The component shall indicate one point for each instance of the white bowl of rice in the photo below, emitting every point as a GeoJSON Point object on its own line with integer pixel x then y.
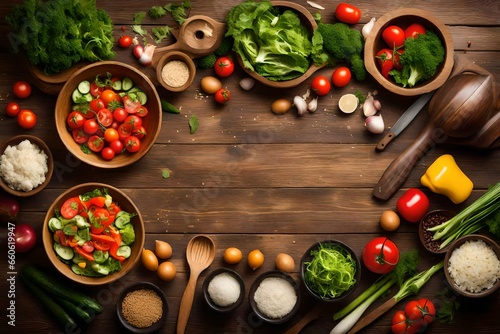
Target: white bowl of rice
{"type": "Point", "coordinates": [472, 266]}
{"type": "Point", "coordinates": [26, 165]}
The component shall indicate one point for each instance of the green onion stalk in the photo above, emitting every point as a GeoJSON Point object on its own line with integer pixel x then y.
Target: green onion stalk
{"type": "Point", "coordinates": [469, 220]}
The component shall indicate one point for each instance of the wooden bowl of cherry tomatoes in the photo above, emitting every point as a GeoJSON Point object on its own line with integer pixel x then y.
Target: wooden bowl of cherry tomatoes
{"type": "Point", "coordinates": [108, 114]}
{"type": "Point", "coordinates": [405, 23]}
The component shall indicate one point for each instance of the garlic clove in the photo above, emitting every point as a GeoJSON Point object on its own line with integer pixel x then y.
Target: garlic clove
{"type": "Point", "coordinates": [300, 104]}
{"type": "Point", "coordinates": [313, 105]}
{"type": "Point", "coordinates": [375, 124]}
{"type": "Point", "coordinates": [367, 28]}
{"type": "Point", "coordinates": [371, 106]}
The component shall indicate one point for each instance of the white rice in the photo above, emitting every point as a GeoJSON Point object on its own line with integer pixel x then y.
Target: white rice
{"type": "Point", "coordinates": [275, 297]}
{"type": "Point", "coordinates": [224, 289]}
{"type": "Point", "coordinates": [23, 166]}
{"type": "Point", "coordinates": [474, 266]}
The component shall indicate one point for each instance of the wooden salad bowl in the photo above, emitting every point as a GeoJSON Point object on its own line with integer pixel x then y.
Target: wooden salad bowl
{"type": "Point", "coordinates": [403, 18]}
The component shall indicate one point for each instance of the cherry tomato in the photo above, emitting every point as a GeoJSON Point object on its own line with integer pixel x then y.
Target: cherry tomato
{"type": "Point", "coordinates": [413, 205]}
{"type": "Point", "coordinates": [143, 111]}
{"type": "Point", "coordinates": [384, 60]}
{"type": "Point", "coordinates": [108, 96]}
{"type": "Point", "coordinates": [88, 246]}
{"type": "Point", "coordinates": [222, 95]}
{"type": "Point", "coordinates": [396, 60]}
{"type": "Point", "coordinates": [140, 132]}
{"type": "Point", "coordinates": [111, 135]}
{"type": "Point", "coordinates": [380, 255]}
{"type": "Point", "coordinates": [131, 106]}
{"type": "Point", "coordinates": [119, 114]}
{"type": "Point", "coordinates": [75, 119]}
{"type": "Point", "coordinates": [116, 146]}
{"type": "Point", "coordinates": [79, 136]}
{"type": "Point", "coordinates": [95, 143]}
{"type": "Point", "coordinates": [108, 153]}
{"type": "Point", "coordinates": [101, 245]}
{"type": "Point", "coordinates": [125, 41]}
{"type": "Point", "coordinates": [132, 144]}
{"type": "Point", "coordinates": [21, 89]}
{"type": "Point", "coordinates": [105, 117]}
{"type": "Point", "coordinates": [347, 13]}
{"type": "Point", "coordinates": [394, 36]}
{"type": "Point", "coordinates": [415, 318]}
{"type": "Point", "coordinates": [71, 207]}
{"type": "Point", "coordinates": [96, 105]}
{"type": "Point", "coordinates": [26, 119]}
{"type": "Point", "coordinates": [414, 29]}
{"type": "Point", "coordinates": [61, 238]}
{"type": "Point", "coordinates": [321, 85]}
{"type": "Point", "coordinates": [401, 325]}
{"type": "Point", "coordinates": [12, 109]}
{"type": "Point", "coordinates": [224, 67]}
{"type": "Point", "coordinates": [90, 126]}
{"type": "Point", "coordinates": [341, 76]}
{"type": "Point", "coordinates": [124, 130]}
{"type": "Point", "coordinates": [95, 90]}
{"type": "Point", "coordinates": [134, 120]}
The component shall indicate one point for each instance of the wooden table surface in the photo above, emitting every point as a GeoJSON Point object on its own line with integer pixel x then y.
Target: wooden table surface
{"type": "Point", "coordinates": [252, 179]}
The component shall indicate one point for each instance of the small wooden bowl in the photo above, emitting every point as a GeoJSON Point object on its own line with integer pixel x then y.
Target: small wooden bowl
{"type": "Point", "coordinates": [214, 306]}
{"type": "Point", "coordinates": [50, 164]}
{"type": "Point", "coordinates": [151, 122]}
{"type": "Point", "coordinates": [308, 20]}
{"type": "Point", "coordinates": [171, 56]}
{"type": "Point", "coordinates": [430, 218]}
{"type": "Point", "coordinates": [403, 18]}
{"type": "Point", "coordinates": [125, 204]}
{"type": "Point", "coordinates": [255, 285]}
{"type": "Point", "coordinates": [456, 244]}
{"type": "Point", "coordinates": [138, 286]}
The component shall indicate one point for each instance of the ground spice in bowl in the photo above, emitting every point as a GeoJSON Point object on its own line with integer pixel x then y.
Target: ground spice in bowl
{"type": "Point", "coordinates": [142, 308]}
{"type": "Point", "coordinates": [175, 73]}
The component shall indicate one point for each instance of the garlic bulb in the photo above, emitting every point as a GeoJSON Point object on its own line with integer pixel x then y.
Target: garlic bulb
{"type": "Point", "coordinates": [375, 124]}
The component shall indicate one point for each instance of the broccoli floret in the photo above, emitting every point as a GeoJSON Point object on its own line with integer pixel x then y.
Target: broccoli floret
{"type": "Point", "coordinates": [421, 58]}
{"type": "Point", "coordinates": [342, 43]}
{"type": "Point", "coordinates": [128, 234]}
{"type": "Point", "coordinates": [225, 46]}
{"type": "Point", "coordinates": [207, 61]}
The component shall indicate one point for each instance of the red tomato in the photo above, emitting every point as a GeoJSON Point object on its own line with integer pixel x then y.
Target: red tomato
{"type": "Point", "coordinates": [108, 96]}
{"type": "Point", "coordinates": [75, 119]}
{"type": "Point", "coordinates": [394, 36]}
{"type": "Point", "coordinates": [21, 89]}
{"type": "Point", "coordinates": [140, 132]}
{"type": "Point", "coordinates": [396, 61]}
{"type": "Point", "coordinates": [422, 309]}
{"type": "Point", "coordinates": [380, 255]}
{"type": "Point", "coordinates": [101, 245]}
{"type": "Point", "coordinates": [12, 109]}
{"type": "Point", "coordinates": [413, 205]}
{"type": "Point", "coordinates": [116, 146]}
{"type": "Point", "coordinates": [90, 126]}
{"type": "Point", "coordinates": [95, 143]}
{"type": "Point", "coordinates": [88, 246]}
{"type": "Point", "coordinates": [132, 144]}
{"type": "Point", "coordinates": [125, 41]}
{"type": "Point", "coordinates": [143, 111]}
{"type": "Point", "coordinates": [347, 13]}
{"type": "Point", "coordinates": [107, 153]}
{"type": "Point", "coordinates": [111, 135]}
{"type": "Point", "coordinates": [95, 90]}
{"type": "Point", "coordinates": [321, 85]}
{"type": "Point", "coordinates": [71, 207]}
{"type": "Point", "coordinates": [414, 29]}
{"type": "Point", "coordinates": [222, 95]}
{"type": "Point", "coordinates": [341, 76]}
{"type": "Point", "coordinates": [26, 119]}
{"type": "Point", "coordinates": [119, 114]}
{"type": "Point", "coordinates": [131, 106]}
{"type": "Point", "coordinates": [224, 67]}
{"type": "Point", "coordinates": [96, 105]}
{"type": "Point", "coordinates": [384, 60]}
{"type": "Point", "coordinates": [124, 130]}
{"type": "Point", "coordinates": [105, 117]}
{"type": "Point", "coordinates": [134, 120]}
{"type": "Point", "coordinates": [61, 238]}
{"type": "Point", "coordinates": [79, 136]}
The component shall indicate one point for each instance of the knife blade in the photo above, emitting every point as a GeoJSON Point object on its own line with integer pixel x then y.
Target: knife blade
{"type": "Point", "coordinates": [404, 120]}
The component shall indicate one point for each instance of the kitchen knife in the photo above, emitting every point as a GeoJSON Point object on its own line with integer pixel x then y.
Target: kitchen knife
{"type": "Point", "coordinates": [404, 120]}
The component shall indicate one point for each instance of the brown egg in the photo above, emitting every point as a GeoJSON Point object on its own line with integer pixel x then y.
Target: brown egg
{"type": "Point", "coordinates": [281, 106]}
{"type": "Point", "coordinates": [389, 220]}
{"type": "Point", "coordinates": [210, 84]}
{"type": "Point", "coordinates": [285, 262]}
{"type": "Point", "coordinates": [167, 271]}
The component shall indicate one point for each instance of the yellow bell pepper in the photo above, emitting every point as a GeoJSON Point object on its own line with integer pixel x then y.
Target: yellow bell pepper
{"type": "Point", "coordinates": [446, 178]}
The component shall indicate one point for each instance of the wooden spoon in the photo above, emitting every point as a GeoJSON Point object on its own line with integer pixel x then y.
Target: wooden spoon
{"type": "Point", "coordinates": [313, 314]}
{"type": "Point", "coordinates": [200, 253]}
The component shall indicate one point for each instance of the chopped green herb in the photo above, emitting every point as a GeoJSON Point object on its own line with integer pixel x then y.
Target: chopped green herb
{"type": "Point", "coordinates": [193, 124]}
{"type": "Point", "coordinates": [165, 173]}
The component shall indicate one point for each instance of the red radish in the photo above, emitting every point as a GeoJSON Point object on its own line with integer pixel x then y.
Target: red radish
{"type": "Point", "coordinates": [25, 237]}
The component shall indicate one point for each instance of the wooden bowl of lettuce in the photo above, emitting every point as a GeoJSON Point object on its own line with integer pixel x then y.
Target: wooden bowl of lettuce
{"type": "Point", "coordinates": [275, 65]}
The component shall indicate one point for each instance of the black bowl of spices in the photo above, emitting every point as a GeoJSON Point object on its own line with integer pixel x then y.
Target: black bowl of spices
{"type": "Point", "coordinates": [142, 308]}
{"type": "Point", "coordinates": [431, 219]}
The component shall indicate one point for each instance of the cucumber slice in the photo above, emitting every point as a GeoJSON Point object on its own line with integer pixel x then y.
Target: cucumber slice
{"type": "Point", "coordinates": [142, 97]}
{"type": "Point", "coordinates": [100, 256]}
{"type": "Point", "coordinates": [64, 252]}
{"type": "Point", "coordinates": [124, 251]}
{"type": "Point", "coordinates": [54, 224]}
{"type": "Point", "coordinates": [122, 219]}
{"type": "Point", "coordinates": [77, 97]}
{"type": "Point", "coordinates": [127, 84]}
{"type": "Point", "coordinates": [117, 85]}
{"type": "Point", "coordinates": [84, 87]}
{"type": "Point", "coordinates": [134, 90]}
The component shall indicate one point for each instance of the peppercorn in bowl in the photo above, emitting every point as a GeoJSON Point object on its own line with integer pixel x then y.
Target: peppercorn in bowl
{"type": "Point", "coordinates": [393, 27]}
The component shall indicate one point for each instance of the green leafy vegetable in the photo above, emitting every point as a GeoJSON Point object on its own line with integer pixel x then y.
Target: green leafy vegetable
{"type": "Point", "coordinates": [421, 58]}
{"type": "Point", "coordinates": [161, 33]}
{"type": "Point", "coordinates": [193, 124]}
{"type": "Point", "coordinates": [447, 307]}
{"type": "Point", "coordinates": [156, 12]}
{"type": "Point", "coordinates": [207, 61]}
{"type": "Point", "coordinates": [139, 17]}
{"type": "Point", "coordinates": [331, 271]}
{"type": "Point", "coordinates": [139, 30]}
{"type": "Point", "coordinates": [339, 42]}
{"type": "Point", "coordinates": [178, 11]}
{"type": "Point", "coordinates": [275, 45]}
{"type": "Point", "coordinates": [56, 34]}
{"type": "Point", "coordinates": [483, 212]}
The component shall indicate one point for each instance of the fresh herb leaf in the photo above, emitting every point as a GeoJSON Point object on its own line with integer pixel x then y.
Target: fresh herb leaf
{"type": "Point", "coordinates": [178, 12]}
{"type": "Point", "coordinates": [161, 33]}
{"type": "Point", "coordinates": [139, 17]}
{"type": "Point", "coordinates": [361, 97]}
{"type": "Point", "coordinates": [449, 305]}
{"type": "Point", "coordinates": [494, 224]}
{"type": "Point", "coordinates": [193, 124]}
{"type": "Point", "coordinates": [138, 29]}
{"type": "Point", "coordinates": [156, 12]}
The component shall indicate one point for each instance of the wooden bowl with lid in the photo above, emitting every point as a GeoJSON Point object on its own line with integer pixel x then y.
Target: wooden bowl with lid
{"type": "Point", "coordinates": [403, 18]}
